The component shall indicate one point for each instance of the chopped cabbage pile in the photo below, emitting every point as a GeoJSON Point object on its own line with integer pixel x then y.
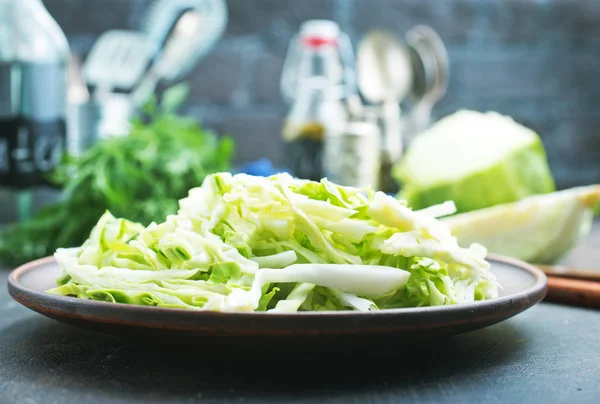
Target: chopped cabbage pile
{"type": "Point", "coordinates": [279, 244]}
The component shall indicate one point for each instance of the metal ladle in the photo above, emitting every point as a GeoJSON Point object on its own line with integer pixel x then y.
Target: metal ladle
{"type": "Point", "coordinates": [385, 77]}
{"type": "Point", "coordinates": [430, 67]}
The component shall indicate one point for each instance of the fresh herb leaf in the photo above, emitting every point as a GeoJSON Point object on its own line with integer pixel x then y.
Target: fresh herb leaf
{"type": "Point", "coordinates": [140, 177]}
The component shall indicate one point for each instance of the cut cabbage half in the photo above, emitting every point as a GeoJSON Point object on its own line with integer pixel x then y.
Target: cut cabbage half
{"type": "Point", "coordinates": [537, 229]}
{"type": "Point", "coordinates": [476, 160]}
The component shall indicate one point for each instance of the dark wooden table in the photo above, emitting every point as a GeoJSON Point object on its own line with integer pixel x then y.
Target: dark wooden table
{"type": "Point", "coordinates": [550, 353]}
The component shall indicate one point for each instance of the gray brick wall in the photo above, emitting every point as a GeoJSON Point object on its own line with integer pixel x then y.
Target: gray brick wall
{"type": "Point", "coordinates": [536, 60]}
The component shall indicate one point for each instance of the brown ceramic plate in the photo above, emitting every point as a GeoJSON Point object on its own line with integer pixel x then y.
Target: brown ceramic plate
{"type": "Point", "coordinates": [523, 286]}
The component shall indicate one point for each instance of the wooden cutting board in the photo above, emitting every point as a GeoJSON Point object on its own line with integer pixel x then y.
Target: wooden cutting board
{"type": "Point", "coordinates": [573, 286]}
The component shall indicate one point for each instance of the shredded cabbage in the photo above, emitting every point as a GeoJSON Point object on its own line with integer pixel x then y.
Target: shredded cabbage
{"type": "Point", "coordinates": [279, 244]}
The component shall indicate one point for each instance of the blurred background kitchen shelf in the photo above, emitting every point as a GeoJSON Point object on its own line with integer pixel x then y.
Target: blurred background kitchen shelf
{"type": "Point", "coordinates": [536, 61]}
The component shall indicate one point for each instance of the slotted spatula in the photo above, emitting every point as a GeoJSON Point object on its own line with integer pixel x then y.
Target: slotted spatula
{"type": "Point", "coordinates": [117, 61]}
{"type": "Point", "coordinates": [176, 54]}
{"type": "Point", "coordinates": [181, 33]}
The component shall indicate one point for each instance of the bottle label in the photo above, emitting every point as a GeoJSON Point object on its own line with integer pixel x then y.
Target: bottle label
{"type": "Point", "coordinates": [32, 122]}
{"type": "Point", "coordinates": [29, 150]}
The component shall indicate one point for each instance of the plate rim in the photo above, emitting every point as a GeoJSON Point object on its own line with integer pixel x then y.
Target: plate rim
{"type": "Point", "coordinates": [17, 291]}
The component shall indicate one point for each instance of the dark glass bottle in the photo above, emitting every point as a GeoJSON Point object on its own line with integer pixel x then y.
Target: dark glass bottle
{"type": "Point", "coordinates": [34, 55]}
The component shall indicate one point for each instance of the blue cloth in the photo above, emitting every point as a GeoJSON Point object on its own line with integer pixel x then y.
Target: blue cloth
{"type": "Point", "coordinates": [260, 168]}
